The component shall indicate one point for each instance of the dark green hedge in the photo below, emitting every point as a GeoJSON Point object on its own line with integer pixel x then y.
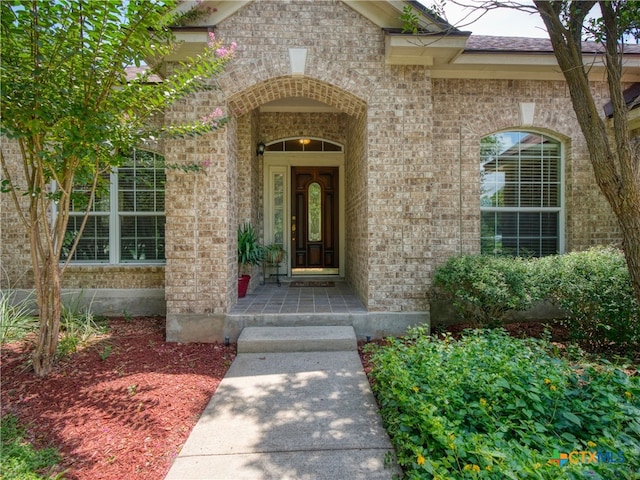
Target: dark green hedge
{"type": "Point", "coordinates": [592, 287]}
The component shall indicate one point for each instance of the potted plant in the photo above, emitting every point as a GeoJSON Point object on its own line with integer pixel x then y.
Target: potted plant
{"type": "Point", "coordinates": [250, 253]}
{"type": "Point", "coordinates": [274, 254]}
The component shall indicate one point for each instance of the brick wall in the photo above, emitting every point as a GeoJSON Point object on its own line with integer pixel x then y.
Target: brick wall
{"type": "Point", "coordinates": [15, 259]}
{"type": "Point", "coordinates": [114, 276]}
{"type": "Point", "coordinates": [201, 213]}
{"type": "Point", "coordinates": [467, 110]}
{"type": "Point", "coordinates": [357, 210]}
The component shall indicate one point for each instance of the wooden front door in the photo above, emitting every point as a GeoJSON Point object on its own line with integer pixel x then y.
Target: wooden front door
{"type": "Point", "coordinates": [314, 219]}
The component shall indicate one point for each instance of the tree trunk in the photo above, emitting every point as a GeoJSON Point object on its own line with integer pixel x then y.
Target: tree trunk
{"type": "Point", "coordinates": [629, 222]}
{"type": "Point", "coordinates": [49, 289]}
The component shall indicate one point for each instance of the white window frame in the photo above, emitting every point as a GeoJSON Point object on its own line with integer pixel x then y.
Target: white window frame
{"type": "Point", "coordinates": [115, 215]}
{"type": "Point", "coordinates": [560, 210]}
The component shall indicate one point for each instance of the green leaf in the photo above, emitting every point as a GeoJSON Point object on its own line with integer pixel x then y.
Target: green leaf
{"type": "Point", "coordinates": [572, 418]}
{"type": "Point", "coordinates": [501, 382]}
{"type": "Point", "coordinates": [569, 437]}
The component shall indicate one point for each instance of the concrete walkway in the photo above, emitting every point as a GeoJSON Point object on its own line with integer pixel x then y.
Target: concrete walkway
{"type": "Point", "coordinates": [277, 414]}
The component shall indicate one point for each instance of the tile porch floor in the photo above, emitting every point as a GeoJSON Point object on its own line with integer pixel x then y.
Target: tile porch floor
{"type": "Point", "coordinates": [273, 299]}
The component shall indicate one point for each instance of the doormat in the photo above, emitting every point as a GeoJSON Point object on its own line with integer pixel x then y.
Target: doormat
{"type": "Point", "coordinates": [300, 283]}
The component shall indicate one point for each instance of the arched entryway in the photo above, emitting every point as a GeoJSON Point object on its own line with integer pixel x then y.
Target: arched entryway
{"type": "Point", "coordinates": [280, 113]}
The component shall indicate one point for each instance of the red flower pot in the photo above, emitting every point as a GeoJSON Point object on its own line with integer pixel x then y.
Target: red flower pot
{"type": "Point", "coordinates": [243, 285]}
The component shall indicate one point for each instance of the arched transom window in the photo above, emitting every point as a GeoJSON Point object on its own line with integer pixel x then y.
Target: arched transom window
{"type": "Point", "coordinates": [304, 144]}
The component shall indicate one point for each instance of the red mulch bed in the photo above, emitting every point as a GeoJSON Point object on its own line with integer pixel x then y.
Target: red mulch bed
{"type": "Point", "coordinates": [125, 415]}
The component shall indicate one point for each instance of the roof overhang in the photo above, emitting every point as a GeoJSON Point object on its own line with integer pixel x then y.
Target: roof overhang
{"type": "Point", "coordinates": [192, 39]}
{"type": "Point", "coordinates": [387, 14]}
{"type": "Point", "coordinates": [383, 14]}
{"type": "Point", "coordinates": [523, 65]}
{"type": "Point", "coordinates": [448, 57]}
{"type": "Point", "coordinates": [438, 49]}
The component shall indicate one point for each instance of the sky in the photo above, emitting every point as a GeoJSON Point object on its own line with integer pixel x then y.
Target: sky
{"type": "Point", "coordinates": [501, 22]}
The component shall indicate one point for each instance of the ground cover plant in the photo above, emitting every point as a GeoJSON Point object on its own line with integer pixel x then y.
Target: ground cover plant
{"type": "Point", "coordinates": [16, 319]}
{"type": "Point", "coordinates": [20, 461]}
{"type": "Point", "coordinates": [488, 405]}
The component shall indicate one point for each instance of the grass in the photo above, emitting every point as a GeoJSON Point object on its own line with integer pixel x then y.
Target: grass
{"type": "Point", "coordinates": [491, 406]}
{"type": "Point", "coordinates": [20, 460]}
{"type": "Point", "coordinates": [78, 325]}
{"type": "Point", "coordinates": [16, 319]}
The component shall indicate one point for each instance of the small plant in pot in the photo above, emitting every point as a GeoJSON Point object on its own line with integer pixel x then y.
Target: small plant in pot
{"type": "Point", "coordinates": [250, 253]}
{"type": "Point", "coordinates": [274, 254]}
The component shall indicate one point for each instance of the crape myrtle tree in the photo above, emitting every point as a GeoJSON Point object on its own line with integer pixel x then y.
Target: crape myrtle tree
{"type": "Point", "coordinates": [68, 106]}
{"type": "Point", "coordinates": [615, 157]}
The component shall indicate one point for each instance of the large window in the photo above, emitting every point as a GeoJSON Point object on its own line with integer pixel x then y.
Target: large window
{"type": "Point", "coordinates": [521, 194]}
{"type": "Point", "coordinates": [127, 220]}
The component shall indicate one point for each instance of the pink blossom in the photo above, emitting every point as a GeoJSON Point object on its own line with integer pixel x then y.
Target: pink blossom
{"type": "Point", "coordinates": [212, 39]}
{"type": "Point", "coordinates": [224, 51]}
{"type": "Point", "coordinates": [213, 117]}
{"type": "Point", "coordinates": [206, 163]}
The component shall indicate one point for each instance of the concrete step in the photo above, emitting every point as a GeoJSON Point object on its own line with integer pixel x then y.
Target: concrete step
{"type": "Point", "coordinates": [297, 339]}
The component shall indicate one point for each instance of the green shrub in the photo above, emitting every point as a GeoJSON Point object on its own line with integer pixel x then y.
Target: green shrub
{"type": "Point", "coordinates": [492, 406]}
{"type": "Point", "coordinates": [20, 461]}
{"type": "Point", "coordinates": [594, 289]}
{"type": "Point", "coordinates": [483, 289]}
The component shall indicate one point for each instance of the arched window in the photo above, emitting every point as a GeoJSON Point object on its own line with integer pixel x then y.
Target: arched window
{"type": "Point", "coordinates": [304, 144]}
{"type": "Point", "coordinates": [127, 220]}
{"type": "Point", "coordinates": [521, 206]}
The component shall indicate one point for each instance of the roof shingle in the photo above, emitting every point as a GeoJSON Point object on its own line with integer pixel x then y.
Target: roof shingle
{"type": "Point", "coordinates": [488, 44]}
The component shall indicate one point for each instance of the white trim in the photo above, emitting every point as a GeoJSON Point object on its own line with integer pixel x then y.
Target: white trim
{"type": "Point", "coordinates": [298, 60]}
{"type": "Point", "coordinates": [526, 113]}
{"type": "Point", "coordinates": [114, 215]}
{"type": "Point", "coordinates": [563, 205]}
{"type": "Point", "coordinates": [114, 219]}
{"type": "Point", "coordinates": [562, 208]}
{"type": "Point", "coordinates": [269, 204]}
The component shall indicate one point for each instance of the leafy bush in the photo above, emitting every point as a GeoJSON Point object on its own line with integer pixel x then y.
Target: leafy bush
{"type": "Point", "coordinates": [594, 289]}
{"type": "Point", "coordinates": [491, 406]}
{"type": "Point", "coordinates": [483, 289]}
{"type": "Point", "coordinates": [20, 460]}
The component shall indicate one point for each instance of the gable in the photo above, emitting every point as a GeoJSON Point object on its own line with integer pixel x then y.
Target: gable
{"type": "Point", "coordinates": [383, 13]}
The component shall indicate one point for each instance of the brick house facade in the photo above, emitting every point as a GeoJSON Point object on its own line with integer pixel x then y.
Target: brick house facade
{"type": "Point", "coordinates": [404, 117]}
